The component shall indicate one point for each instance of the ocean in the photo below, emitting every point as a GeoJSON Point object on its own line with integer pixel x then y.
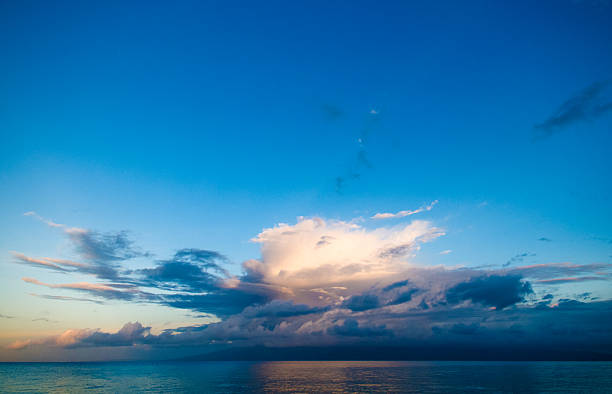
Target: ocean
{"type": "Point", "coordinates": [308, 377]}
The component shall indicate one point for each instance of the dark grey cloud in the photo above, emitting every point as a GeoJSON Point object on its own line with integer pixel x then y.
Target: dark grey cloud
{"type": "Point", "coordinates": [499, 291]}
{"type": "Point", "coordinates": [463, 329]}
{"type": "Point", "coordinates": [129, 334]}
{"type": "Point", "coordinates": [396, 251]}
{"type": "Point", "coordinates": [602, 239]}
{"type": "Point", "coordinates": [193, 270]}
{"type": "Point", "coordinates": [457, 329]}
{"type": "Point", "coordinates": [332, 112]}
{"type": "Point", "coordinates": [65, 298]}
{"type": "Point", "coordinates": [362, 302]}
{"type": "Point", "coordinates": [403, 297]}
{"type": "Point", "coordinates": [282, 309]}
{"type": "Point", "coordinates": [576, 279]}
{"type": "Point", "coordinates": [519, 258]}
{"type": "Point", "coordinates": [396, 285]}
{"type": "Point", "coordinates": [199, 276]}
{"type": "Point", "coordinates": [569, 325]}
{"type": "Point", "coordinates": [194, 277]}
{"type": "Point", "coordinates": [561, 270]}
{"type": "Point", "coordinates": [96, 246]}
{"type": "Point", "coordinates": [351, 328]}
{"type": "Point", "coordinates": [361, 162]}
{"type": "Point", "coordinates": [221, 302]}
{"type": "Point", "coordinates": [324, 240]}
{"type": "Point", "coordinates": [45, 319]}
{"type": "Point", "coordinates": [586, 105]}
{"type": "Point", "coordinates": [104, 251]}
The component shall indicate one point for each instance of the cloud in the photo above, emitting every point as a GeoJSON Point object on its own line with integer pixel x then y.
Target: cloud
{"type": "Point", "coordinates": [45, 320]}
{"type": "Point", "coordinates": [101, 290]}
{"type": "Point", "coordinates": [6, 316]}
{"type": "Point", "coordinates": [572, 279]}
{"type": "Point", "coordinates": [48, 222]}
{"type": "Point", "coordinates": [103, 246]}
{"type": "Point", "coordinates": [65, 298]}
{"type": "Point", "coordinates": [220, 302]}
{"type": "Point", "coordinates": [129, 334]}
{"type": "Point", "coordinates": [557, 270]}
{"type": "Point", "coordinates": [282, 309]}
{"type": "Point", "coordinates": [362, 302]}
{"type": "Point", "coordinates": [327, 283]}
{"type": "Point", "coordinates": [602, 239]}
{"type": "Point", "coordinates": [59, 265]}
{"type": "Point", "coordinates": [189, 270]}
{"type": "Point", "coordinates": [351, 328]}
{"type": "Point", "coordinates": [588, 104]}
{"type": "Point", "coordinates": [544, 239]}
{"type": "Point", "coordinates": [103, 252]}
{"type": "Point", "coordinates": [519, 258]}
{"type": "Point", "coordinates": [21, 258]}
{"type": "Point", "coordinates": [293, 261]}
{"type": "Point", "coordinates": [332, 112]}
{"type": "Point", "coordinates": [361, 161]}
{"type": "Point", "coordinates": [463, 329]}
{"type": "Point", "coordinates": [490, 290]}
{"type": "Point", "coordinates": [396, 285]}
{"type": "Point", "coordinates": [402, 214]}
{"type": "Point", "coordinates": [403, 297]}
{"type": "Point", "coordinates": [570, 324]}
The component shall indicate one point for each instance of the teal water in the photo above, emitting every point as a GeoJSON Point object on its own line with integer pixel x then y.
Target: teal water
{"type": "Point", "coordinates": [311, 376]}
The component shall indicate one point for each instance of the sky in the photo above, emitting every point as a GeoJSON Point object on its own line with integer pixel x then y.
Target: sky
{"type": "Point", "coordinates": [178, 179]}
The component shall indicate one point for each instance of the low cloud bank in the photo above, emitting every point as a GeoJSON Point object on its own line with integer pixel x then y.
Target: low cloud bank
{"type": "Point", "coordinates": [329, 283]}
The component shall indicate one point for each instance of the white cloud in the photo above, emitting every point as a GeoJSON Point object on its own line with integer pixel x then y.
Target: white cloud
{"type": "Point", "coordinates": [48, 222]}
{"type": "Point", "coordinates": [402, 214]}
{"type": "Point", "coordinates": [341, 258]}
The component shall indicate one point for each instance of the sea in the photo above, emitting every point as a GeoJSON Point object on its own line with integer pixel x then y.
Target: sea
{"type": "Point", "coordinates": [308, 377]}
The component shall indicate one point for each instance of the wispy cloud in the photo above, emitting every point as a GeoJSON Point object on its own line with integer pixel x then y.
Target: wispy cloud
{"type": "Point", "coordinates": [519, 258]}
{"type": "Point", "coordinates": [560, 270]}
{"type": "Point", "coordinates": [65, 298]}
{"type": "Point", "coordinates": [49, 263]}
{"type": "Point", "coordinates": [45, 319]}
{"type": "Point", "coordinates": [48, 222]}
{"type": "Point", "coordinates": [573, 279]}
{"type": "Point", "coordinates": [402, 214]}
{"type": "Point", "coordinates": [21, 258]}
{"type": "Point", "coordinates": [102, 290]}
{"type": "Point", "coordinates": [103, 252]}
{"type": "Point", "coordinates": [588, 104]}
{"type": "Point", "coordinates": [361, 161]}
{"type": "Point", "coordinates": [332, 112]}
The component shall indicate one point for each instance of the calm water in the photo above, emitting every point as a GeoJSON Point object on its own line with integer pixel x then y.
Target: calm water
{"type": "Point", "coordinates": [332, 376]}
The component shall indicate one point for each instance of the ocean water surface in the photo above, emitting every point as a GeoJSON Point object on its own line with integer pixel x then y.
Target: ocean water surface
{"type": "Point", "coordinates": [309, 376]}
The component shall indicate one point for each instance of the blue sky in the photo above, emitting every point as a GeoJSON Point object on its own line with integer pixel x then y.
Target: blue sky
{"type": "Point", "coordinates": [201, 124]}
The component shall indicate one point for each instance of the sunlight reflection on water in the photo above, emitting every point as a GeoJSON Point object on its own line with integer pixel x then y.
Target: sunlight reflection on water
{"type": "Point", "coordinates": [311, 376]}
